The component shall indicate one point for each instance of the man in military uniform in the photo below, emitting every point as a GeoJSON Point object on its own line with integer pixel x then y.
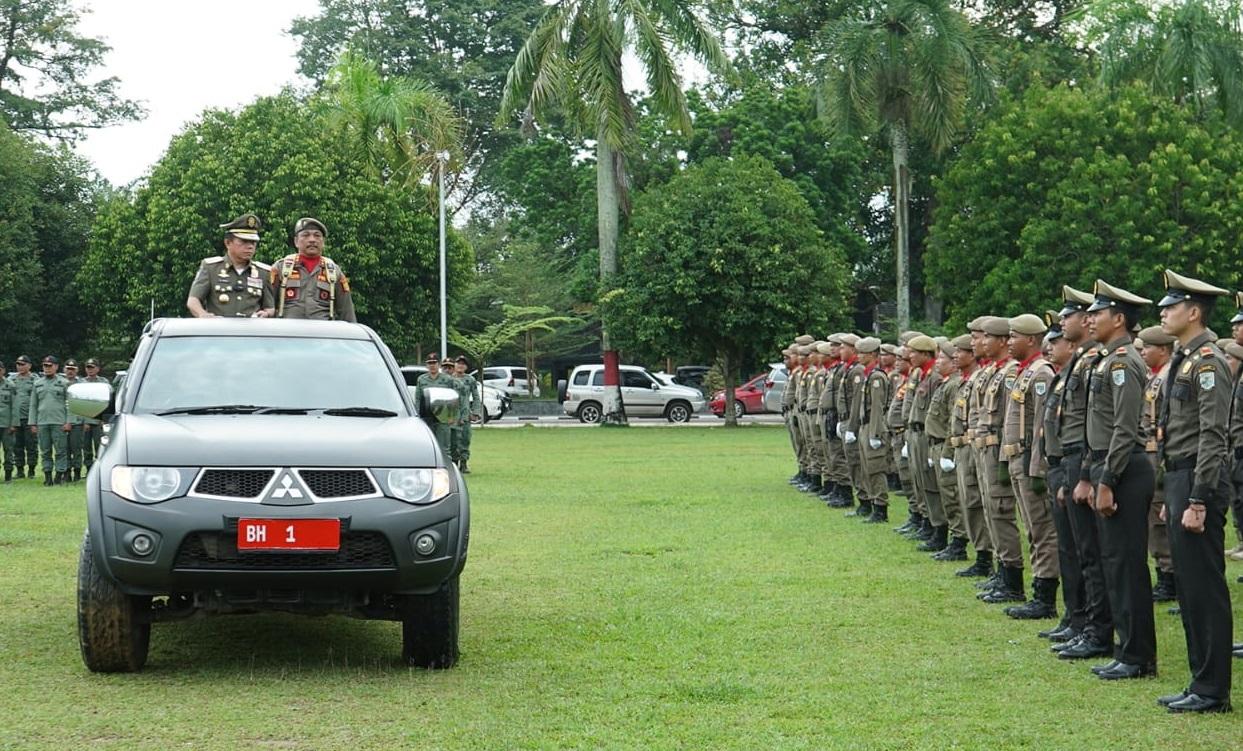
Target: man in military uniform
{"type": "Point", "coordinates": [937, 425]}
{"type": "Point", "coordinates": [790, 358]}
{"type": "Point", "coordinates": [800, 410]}
{"type": "Point", "coordinates": [897, 430]}
{"type": "Point", "coordinates": [25, 444]}
{"type": "Point", "coordinates": [1193, 426]}
{"type": "Point", "coordinates": [813, 383]}
{"type": "Point", "coordinates": [852, 379]}
{"type": "Point", "coordinates": [934, 535]}
{"type": "Point", "coordinates": [74, 440]}
{"type": "Point", "coordinates": [1156, 352]}
{"type": "Point", "coordinates": [233, 285]}
{"type": "Point", "coordinates": [842, 494]}
{"type": "Point", "coordinates": [48, 418]}
{"type": "Point", "coordinates": [868, 421]}
{"type": "Point", "coordinates": [9, 422]}
{"type": "Point", "coordinates": [793, 393]}
{"type": "Point", "coordinates": [438, 378]}
{"type": "Point", "coordinates": [1236, 437]}
{"type": "Point", "coordinates": [830, 479]}
{"type": "Point", "coordinates": [889, 364]}
{"type": "Point", "coordinates": [308, 284]}
{"type": "Point", "coordinates": [999, 502]}
{"type": "Point", "coordinates": [468, 413]}
{"type": "Point", "coordinates": [1026, 466]}
{"type": "Point", "coordinates": [92, 427]}
{"type": "Point", "coordinates": [971, 362]}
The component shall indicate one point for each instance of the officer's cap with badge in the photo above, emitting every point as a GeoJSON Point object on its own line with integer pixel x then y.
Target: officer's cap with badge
{"type": "Point", "coordinates": [1108, 297]}
{"type": "Point", "coordinates": [23, 359]}
{"type": "Point", "coordinates": [1179, 288]}
{"type": "Point", "coordinates": [432, 357]}
{"type": "Point", "coordinates": [1238, 303]}
{"type": "Point", "coordinates": [50, 360]}
{"type": "Point", "coordinates": [1053, 320]}
{"type": "Point", "coordinates": [309, 222]}
{"type": "Point", "coordinates": [245, 227]}
{"type": "Point", "coordinates": [92, 363]}
{"type": "Point", "coordinates": [1074, 301]}
{"type": "Point", "coordinates": [71, 363]}
{"type": "Point", "coordinates": [1028, 325]}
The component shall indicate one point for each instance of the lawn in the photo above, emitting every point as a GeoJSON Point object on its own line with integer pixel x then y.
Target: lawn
{"type": "Point", "coordinates": [659, 588]}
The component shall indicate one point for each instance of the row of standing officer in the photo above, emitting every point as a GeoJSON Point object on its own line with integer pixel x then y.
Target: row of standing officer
{"type": "Point", "coordinates": [36, 426]}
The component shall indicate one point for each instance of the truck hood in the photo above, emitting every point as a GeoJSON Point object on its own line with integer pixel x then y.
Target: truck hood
{"type": "Point", "coordinates": [275, 440]}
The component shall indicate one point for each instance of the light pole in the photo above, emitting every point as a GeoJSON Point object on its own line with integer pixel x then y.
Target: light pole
{"type": "Point", "coordinates": [443, 158]}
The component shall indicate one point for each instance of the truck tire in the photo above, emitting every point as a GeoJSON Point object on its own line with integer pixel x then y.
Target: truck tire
{"type": "Point", "coordinates": [111, 635]}
{"type": "Point", "coordinates": [429, 628]}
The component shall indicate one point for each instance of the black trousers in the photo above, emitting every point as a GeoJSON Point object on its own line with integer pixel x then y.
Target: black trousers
{"type": "Point", "coordinates": [25, 447]}
{"type": "Point", "coordinates": [1124, 559]}
{"type": "Point", "coordinates": [1067, 557]}
{"type": "Point", "coordinates": [1236, 497]}
{"type": "Point", "coordinates": [1097, 616]}
{"type": "Point", "coordinates": [1200, 573]}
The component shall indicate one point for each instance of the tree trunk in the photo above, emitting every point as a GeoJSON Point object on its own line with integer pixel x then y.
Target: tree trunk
{"type": "Point", "coordinates": [901, 221]}
{"type": "Point", "coordinates": [607, 211]}
{"type": "Point", "coordinates": [530, 362]}
{"type": "Point", "coordinates": [727, 369]}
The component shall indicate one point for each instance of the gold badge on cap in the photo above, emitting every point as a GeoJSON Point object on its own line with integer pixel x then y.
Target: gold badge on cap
{"type": "Point", "coordinates": [250, 221]}
{"type": "Point", "coordinates": [223, 298]}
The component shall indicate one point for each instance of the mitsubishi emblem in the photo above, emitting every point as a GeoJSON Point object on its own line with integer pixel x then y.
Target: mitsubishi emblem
{"type": "Point", "coordinates": [287, 488]}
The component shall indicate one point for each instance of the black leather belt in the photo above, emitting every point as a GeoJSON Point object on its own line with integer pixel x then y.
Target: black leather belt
{"type": "Point", "coordinates": [1177, 465]}
{"type": "Point", "coordinates": [917, 427]}
{"type": "Point", "coordinates": [1071, 449]}
{"type": "Point", "coordinates": [1101, 454]}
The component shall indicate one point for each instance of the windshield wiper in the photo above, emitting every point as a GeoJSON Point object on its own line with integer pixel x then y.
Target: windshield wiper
{"type": "Point", "coordinates": [359, 412]}
{"type": "Point", "coordinates": [215, 409]}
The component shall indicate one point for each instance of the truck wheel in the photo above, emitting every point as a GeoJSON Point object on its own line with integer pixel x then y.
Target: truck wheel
{"type": "Point", "coordinates": [112, 637]}
{"type": "Point", "coordinates": [678, 412]}
{"type": "Point", "coordinates": [429, 628]}
{"type": "Point", "coordinates": [590, 413]}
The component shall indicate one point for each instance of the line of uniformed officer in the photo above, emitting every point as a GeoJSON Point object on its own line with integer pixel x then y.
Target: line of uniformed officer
{"type": "Point", "coordinates": [1110, 450]}
{"type": "Point", "coordinates": [36, 426]}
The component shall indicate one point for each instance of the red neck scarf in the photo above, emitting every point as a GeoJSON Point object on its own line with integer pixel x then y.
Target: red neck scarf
{"type": "Point", "coordinates": [310, 263]}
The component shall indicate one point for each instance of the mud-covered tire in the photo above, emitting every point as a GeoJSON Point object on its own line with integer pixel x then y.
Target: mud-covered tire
{"type": "Point", "coordinates": [111, 635]}
{"type": "Point", "coordinates": [429, 628]}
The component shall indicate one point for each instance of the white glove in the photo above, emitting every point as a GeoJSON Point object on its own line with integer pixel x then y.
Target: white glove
{"type": "Point", "coordinates": [947, 465]}
{"type": "Point", "coordinates": [906, 454]}
{"type": "Point", "coordinates": [931, 464]}
{"type": "Point", "coordinates": [874, 443]}
{"type": "Point", "coordinates": [850, 437]}
{"type": "Point", "coordinates": [841, 430]}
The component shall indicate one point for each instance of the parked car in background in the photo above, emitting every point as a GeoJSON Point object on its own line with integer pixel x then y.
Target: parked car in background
{"type": "Point", "coordinates": [748, 398]}
{"type": "Point", "coordinates": [511, 379]}
{"type": "Point", "coordinates": [496, 403]}
{"type": "Point", "coordinates": [643, 395]}
{"type": "Point", "coordinates": [775, 386]}
{"type": "Point", "coordinates": [665, 378]}
{"type": "Point", "coordinates": [690, 375]}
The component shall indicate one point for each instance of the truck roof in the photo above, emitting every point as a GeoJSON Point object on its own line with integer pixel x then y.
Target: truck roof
{"type": "Point", "coordinates": [277, 327]}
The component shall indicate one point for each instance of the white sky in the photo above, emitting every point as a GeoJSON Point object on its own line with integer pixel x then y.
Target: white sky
{"type": "Point", "coordinates": [181, 57]}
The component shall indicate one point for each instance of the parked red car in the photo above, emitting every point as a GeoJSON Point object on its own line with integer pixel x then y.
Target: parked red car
{"type": "Point", "coordinates": [748, 398]}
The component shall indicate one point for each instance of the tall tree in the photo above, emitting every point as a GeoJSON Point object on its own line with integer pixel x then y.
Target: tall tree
{"type": "Point", "coordinates": [572, 63]}
{"type": "Point", "coordinates": [908, 68]}
{"type": "Point", "coordinates": [45, 72]}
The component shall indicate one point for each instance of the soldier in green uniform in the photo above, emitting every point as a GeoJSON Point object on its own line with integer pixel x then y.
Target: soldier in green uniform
{"type": "Point", "coordinates": [25, 444]}
{"type": "Point", "coordinates": [308, 284]}
{"type": "Point", "coordinates": [233, 285]}
{"type": "Point", "coordinates": [1193, 426]}
{"type": "Point", "coordinates": [75, 439]}
{"type": "Point", "coordinates": [9, 423]}
{"type": "Point", "coordinates": [435, 377]}
{"type": "Point", "coordinates": [48, 418]}
{"type": "Point", "coordinates": [468, 388]}
{"type": "Point", "coordinates": [92, 427]}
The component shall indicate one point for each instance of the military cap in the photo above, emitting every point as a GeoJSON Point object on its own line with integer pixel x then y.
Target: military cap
{"type": "Point", "coordinates": [835, 338]}
{"type": "Point", "coordinates": [1156, 335]}
{"type": "Point", "coordinates": [1179, 288]}
{"type": "Point", "coordinates": [1238, 302]}
{"type": "Point", "coordinates": [462, 359]}
{"type": "Point", "coordinates": [1074, 301]}
{"type": "Point", "coordinates": [431, 357]}
{"type": "Point", "coordinates": [308, 222]}
{"type": "Point", "coordinates": [889, 349]}
{"type": "Point", "coordinates": [1053, 320]}
{"type": "Point", "coordinates": [922, 343]}
{"type": "Point", "coordinates": [815, 346]}
{"type": "Point", "coordinates": [962, 342]}
{"type": "Point", "coordinates": [92, 363]}
{"type": "Point", "coordinates": [24, 358]}
{"type": "Point", "coordinates": [976, 324]}
{"type": "Point", "coordinates": [850, 340]}
{"type": "Point", "coordinates": [868, 344]}
{"type": "Point", "coordinates": [804, 349]}
{"type": "Point", "coordinates": [71, 363]}
{"type": "Point", "coordinates": [995, 326]}
{"type": "Point", "coordinates": [1234, 350]}
{"type": "Point", "coordinates": [1221, 343]}
{"type": "Point", "coordinates": [785, 352]}
{"type": "Point", "coordinates": [1108, 296]}
{"type": "Point", "coordinates": [446, 360]}
{"type": "Point", "coordinates": [1138, 342]}
{"type": "Point", "coordinates": [804, 339]}
{"type": "Point", "coordinates": [906, 336]}
{"type": "Point", "coordinates": [245, 227]}
{"type": "Point", "coordinates": [1028, 325]}
{"type": "Point", "coordinates": [50, 360]}
{"type": "Point", "coordinates": [825, 348]}
{"type": "Point", "coordinates": [947, 347]}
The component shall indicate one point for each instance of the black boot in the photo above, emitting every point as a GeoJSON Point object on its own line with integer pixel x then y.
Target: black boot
{"type": "Point", "coordinates": [464, 467]}
{"type": "Point", "coordinates": [892, 482]}
{"type": "Point", "coordinates": [937, 541]}
{"type": "Point", "coordinates": [864, 510]}
{"type": "Point", "coordinates": [924, 534]}
{"type": "Point", "coordinates": [983, 566]}
{"type": "Point", "coordinates": [845, 498]}
{"type": "Point", "coordinates": [30, 471]}
{"type": "Point", "coordinates": [1166, 590]}
{"type": "Point", "coordinates": [47, 479]}
{"type": "Point", "coordinates": [955, 551]}
{"type": "Point", "coordinates": [77, 474]}
{"type": "Point", "coordinates": [62, 477]}
{"type": "Point", "coordinates": [1011, 589]}
{"type": "Point", "coordinates": [880, 515]}
{"type": "Point", "coordinates": [8, 475]}
{"type": "Point", "coordinates": [1043, 603]}
{"type": "Point", "coordinates": [21, 473]}
{"type": "Point", "coordinates": [1056, 630]}
{"type": "Point", "coordinates": [912, 521]}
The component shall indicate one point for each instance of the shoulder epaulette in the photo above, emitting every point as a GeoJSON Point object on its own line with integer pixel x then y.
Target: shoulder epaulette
{"type": "Point", "coordinates": [1121, 350]}
{"type": "Point", "coordinates": [1093, 352]}
{"type": "Point", "coordinates": [1206, 351]}
{"type": "Point", "coordinates": [213, 259]}
{"type": "Point", "coordinates": [262, 266]}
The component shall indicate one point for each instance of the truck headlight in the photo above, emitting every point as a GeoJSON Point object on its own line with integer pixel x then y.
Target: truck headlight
{"type": "Point", "coordinates": [423, 485]}
{"type": "Point", "coordinates": [145, 484]}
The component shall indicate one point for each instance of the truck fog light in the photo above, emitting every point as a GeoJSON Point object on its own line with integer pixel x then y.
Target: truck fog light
{"type": "Point", "coordinates": [425, 544]}
{"type": "Point", "coordinates": [141, 544]}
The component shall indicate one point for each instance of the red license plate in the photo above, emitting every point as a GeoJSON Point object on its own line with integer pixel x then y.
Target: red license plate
{"type": "Point", "coordinates": [288, 534]}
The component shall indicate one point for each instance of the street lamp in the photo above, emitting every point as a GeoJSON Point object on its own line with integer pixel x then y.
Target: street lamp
{"type": "Point", "coordinates": [443, 158]}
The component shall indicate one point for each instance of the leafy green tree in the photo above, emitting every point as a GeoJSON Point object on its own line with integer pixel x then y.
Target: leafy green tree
{"type": "Point", "coordinates": [517, 323]}
{"type": "Point", "coordinates": [572, 64]}
{"type": "Point", "coordinates": [277, 159]}
{"type": "Point", "coordinates": [1067, 186]}
{"type": "Point", "coordinates": [45, 71]}
{"type": "Point", "coordinates": [724, 262]}
{"type": "Point", "coordinates": [909, 68]}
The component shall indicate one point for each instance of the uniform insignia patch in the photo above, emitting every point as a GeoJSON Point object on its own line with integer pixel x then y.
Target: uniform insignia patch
{"type": "Point", "coordinates": [1208, 380]}
{"type": "Point", "coordinates": [1187, 367]}
{"type": "Point", "coordinates": [1058, 388]}
{"type": "Point", "coordinates": [1119, 376]}
{"type": "Point", "coordinates": [1041, 388]}
{"type": "Point", "coordinates": [323, 294]}
{"type": "Point", "coordinates": [858, 379]}
{"type": "Point", "coordinates": [1010, 382]}
{"type": "Point", "coordinates": [1206, 351]}
{"type": "Point", "coordinates": [291, 293]}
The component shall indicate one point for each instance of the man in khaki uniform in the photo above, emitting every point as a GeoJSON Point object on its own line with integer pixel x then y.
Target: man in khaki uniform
{"type": "Point", "coordinates": [868, 421]}
{"type": "Point", "coordinates": [1156, 352]}
{"type": "Point", "coordinates": [999, 502]}
{"type": "Point", "coordinates": [1027, 468]}
{"type": "Point", "coordinates": [308, 284]}
{"type": "Point", "coordinates": [969, 355]}
{"type": "Point", "coordinates": [941, 450]}
{"type": "Point", "coordinates": [830, 478]}
{"type": "Point", "coordinates": [889, 364]}
{"type": "Point", "coordinates": [841, 493]}
{"type": "Point", "coordinates": [899, 385]}
{"type": "Point", "coordinates": [787, 406]}
{"type": "Point", "coordinates": [923, 351]}
{"type": "Point", "coordinates": [233, 285]}
{"type": "Point", "coordinates": [851, 380]}
{"type": "Point", "coordinates": [801, 404]}
{"type": "Point", "coordinates": [49, 421]}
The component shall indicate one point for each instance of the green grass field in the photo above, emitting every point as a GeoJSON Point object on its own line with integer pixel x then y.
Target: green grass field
{"type": "Point", "coordinates": [657, 588]}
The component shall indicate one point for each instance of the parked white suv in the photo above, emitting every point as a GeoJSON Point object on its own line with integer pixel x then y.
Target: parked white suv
{"type": "Point", "coordinates": [642, 394]}
{"type": "Point", "coordinates": [511, 379]}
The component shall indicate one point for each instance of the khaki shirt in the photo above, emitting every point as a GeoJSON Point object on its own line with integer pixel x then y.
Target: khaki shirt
{"type": "Point", "coordinates": [301, 293]}
{"type": "Point", "coordinates": [1023, 408]}
{"type": "Point", "coordinates": [47, 401]}
{"type": "Point", "coordinates": [1153, 399]}
{"type": "Point", "coordinates": [828, 394]}
{"type": "Point", "coordinates": [927, 383]}
{"type": "Point", "coordinates": [1115, 400]}
{"type": "Point", "coordinates": [1195, 417]}
{"type": "Point", "coordinates": [874, 396]}
{"type": "Point", "coordinates": [898, 384]}
{"type": "Point", "coordinates": [225, 291]}
{"type": "Point", "coordinates": [995, 394]}
{"type": "Point", "coordinates": [787, 394]}
{"type": "Point", "coordinates": [847, 391]}
{"type": "Point", "coordinates": [960, 412]}
{"type": "Point", "coordinates": [815, 384]}
{"type": "Point", "coordinates": [937, 421]}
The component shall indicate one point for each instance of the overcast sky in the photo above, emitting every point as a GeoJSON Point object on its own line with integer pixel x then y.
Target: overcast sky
{"type": "Point", "coordinates": [181, 57]}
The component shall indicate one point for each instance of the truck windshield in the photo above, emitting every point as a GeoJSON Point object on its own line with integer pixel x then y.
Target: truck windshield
{"type": "Point", "coordinates": [266, 372]}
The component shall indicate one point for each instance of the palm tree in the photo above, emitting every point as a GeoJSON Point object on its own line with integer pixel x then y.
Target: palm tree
{"type": "Point", "coordinates": [1191, 52]}
{"type": "Point", "coordinates": [398, 125]}
{"type": "Point", "coordinates": [909, 68]}
{"type": "Point", "coordinates": [572, 64]}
